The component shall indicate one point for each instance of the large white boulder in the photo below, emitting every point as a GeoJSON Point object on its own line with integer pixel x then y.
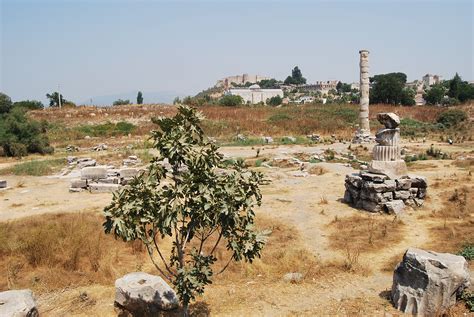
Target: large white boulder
{"type": "Point", "coordinates": [144, 294]}
{"type": "Point", "coordinates": [18, 303]}
{"type": "Point", "coordinates": [426, 283]}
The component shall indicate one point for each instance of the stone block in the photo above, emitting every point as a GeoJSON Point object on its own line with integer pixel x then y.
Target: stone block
{"type": "Point", "coordinates": [402, 194]}
{"type": "Point", "coordinates": [18, 303]}
{"type": "Point", "coordinates": [348, 197]}
{"type": "Point", "coordinates": [128, 172]}
{"type": "Point", "coordinates": [395, 207]}
{"type": "Point", "coordinates": [94, 172]}
{"type": "Point", "coordinates": [418, 181]}
{"type": "Point", "coordinates": [354, 179]}
{"type": "Point", "coordinates": [389, 119]}
{"type": "Point", "coordinates": [103, 188]}
{"type": "Point", "coordinates": [403, 183]}
{"type": "Point", "coordinates": [426, 283]}
{"type": "Point", "coordinates": [81, 163]}
{"type": "Point", "coordinates": [143, 294]}
{"type": "Point", "coordinates": [78, 183]}
{"type": "Point", "coordinates": [393, 169]}
{"type": "Point", "coordinates": [421, 193]}
{"type": "Point", "coordinates": [76, 190]}
{"type": "Point", "coordinates": [371, 206]}
{"type": "Point", "coordinates": [376, 178]}
{"type": "Point", "coordinates": [387, 186]}
{"type": "Point", "coordinates": [3, 183]}
{"type": "Point", "coordinates": [109, 180]}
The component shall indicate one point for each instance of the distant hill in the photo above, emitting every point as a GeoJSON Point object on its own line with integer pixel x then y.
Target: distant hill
{"type": "Point", "coordinates": [148, 97]}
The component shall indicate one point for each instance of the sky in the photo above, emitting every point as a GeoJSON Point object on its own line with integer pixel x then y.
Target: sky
{"type": "Point", "coordinates": [93, 48]}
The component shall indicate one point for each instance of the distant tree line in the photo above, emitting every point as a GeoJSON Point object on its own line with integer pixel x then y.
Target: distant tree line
{"type": "Point", "coordinates": [449, 92]}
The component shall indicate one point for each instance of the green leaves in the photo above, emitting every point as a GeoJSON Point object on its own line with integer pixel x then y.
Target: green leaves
{"type": "Point", "coordinates": [189, 193]}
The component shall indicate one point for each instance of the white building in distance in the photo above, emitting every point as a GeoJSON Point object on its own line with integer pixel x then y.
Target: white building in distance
{"type": "Point", "coordinates": [429, 80]}
{"type": "Point", "coordinates": [240, 80]}
{"type": "Point", "coordinates": [254, 94]}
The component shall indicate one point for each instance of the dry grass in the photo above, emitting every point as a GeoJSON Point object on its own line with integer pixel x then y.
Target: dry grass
{"type": "Point", "coordinates": [225, 123]}
{"type": "Point", "coordinates": [451, 236]}
{"type": "Point", "coordinates": [457, 202]}
{"type": "Point", "coordinates": [317, 170]}
{"type": "Point", "coordinates": [54, 251]}
{"type": "Point", "coordinates": [365, 233]}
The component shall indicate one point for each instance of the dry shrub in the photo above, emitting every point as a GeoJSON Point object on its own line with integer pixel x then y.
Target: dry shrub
{"type": "Point", "coordinates": [323, 200]}
{"type": "Point", "coordinates": [451, 236]}
{"type": "Point", "coordinates": [365, 233]}
{"type": "Point", "coordinates": [457, 204]}
{"type": "Point", "coordinates": [317, 170]}
{"type": "Point", "coordinates": [283, 253]}
{"type": "Point", "coordinates": [53, 251]}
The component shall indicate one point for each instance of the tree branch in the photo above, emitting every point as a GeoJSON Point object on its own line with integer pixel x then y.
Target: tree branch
{"type": "Point", "coordinates": [161, 255]}
{"type": "Point", "coordinates": [225, 267]}
{"type": "Point", "coordinates": [217, 242]}
{"type": "Point", "coordinates": [150, 253]}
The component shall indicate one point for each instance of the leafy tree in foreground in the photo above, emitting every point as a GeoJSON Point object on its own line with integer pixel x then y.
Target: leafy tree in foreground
{"type": "Point", "coordinates": [194, 204]}
{"type": "Point", "coordinates": [139, 98]}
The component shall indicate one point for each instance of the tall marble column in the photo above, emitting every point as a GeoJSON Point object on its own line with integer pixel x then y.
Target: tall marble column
{"type": "Point", "coordinates": [363, 133]}
{"type": "Point", "coordinates": [364, 91]}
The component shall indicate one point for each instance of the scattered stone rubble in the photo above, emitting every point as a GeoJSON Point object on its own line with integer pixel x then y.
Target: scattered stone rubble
{"type": "Point", "coordinates": [143, 294]}
{"type": "Point", "coordinates": [18, 303]}
{"type": "Point", "coordinates": [100, 147]}
{"type": "Point", "coordinates": [102, 179]}
{"type": "Point", "coordinates": [426, 283]}
{"type": "Point", "coordinates": [385, 185]}
{"type": "Point", "coordinates": [72, 148]}
{"type": "Point", "coordinates": [267, 139]}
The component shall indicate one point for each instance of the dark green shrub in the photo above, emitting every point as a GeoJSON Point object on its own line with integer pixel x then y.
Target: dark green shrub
{"type": "Point", "coordinates": [451, 117]}
{"type": "Point", "coordinates": [29, 105]}
{"type": "Point", "coordinates": [5, 103]}
{"type": "Point", "coordinates": [231, 100]}
{"type": "Point", "coordinates": [467, 252]}
{"type": "Point", "coordinates": [20, 135]}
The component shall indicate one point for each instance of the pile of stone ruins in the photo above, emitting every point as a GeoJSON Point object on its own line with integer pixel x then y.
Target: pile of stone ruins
{"type": "Point", "coordinates": [102, 178]}
{"type": "Point", "coordinates": [386, 185]}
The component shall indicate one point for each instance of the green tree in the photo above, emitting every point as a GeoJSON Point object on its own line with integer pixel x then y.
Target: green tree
{"type": "Point", "coordinates": [389, 89]}
{"type": "Point", "coordinates": [231, 100]}
{"type": "Point", "coordinates": [275, 101]}
{"type": "Point", "coordinates": [195, 204]}
{"type": "Point", "coordinates": [5, 103]}
{"type": "Point", "coordinates": [176, 101]}
{"type": "Point", "coordinates": [296, 77]}
{"type": "Point", "coordinates": [29, 105]}
{"type": "Point", "coordinates": [435, 95]}
{"type": "Point", "coordinates": [455, 86]}
{"type": "Point", "coordinates": [139, 98]}
{"type": "Point", "coordinates": [54, 99]}
{"type": "Point", "coordinates": [121, 102]}
{"type": "Point", "coordinates": [269, 84]}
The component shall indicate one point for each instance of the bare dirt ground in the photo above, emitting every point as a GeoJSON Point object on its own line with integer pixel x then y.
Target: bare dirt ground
{"type": "Point", "coordinates": [309, 204]}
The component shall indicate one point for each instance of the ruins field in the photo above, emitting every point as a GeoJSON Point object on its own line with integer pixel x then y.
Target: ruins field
{"type": "Point", "coordinates": [323, 257]}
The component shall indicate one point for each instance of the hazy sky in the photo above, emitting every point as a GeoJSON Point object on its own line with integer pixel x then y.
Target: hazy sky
{"type": "Point", "coordinates": [98, 47]}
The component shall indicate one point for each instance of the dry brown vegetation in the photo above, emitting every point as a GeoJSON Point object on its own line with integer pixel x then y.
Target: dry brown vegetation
{"type": "Point", "coordinates": [365, 233]}
{"type": "Point", "coordinates": [225, 123]}
{"type": "Point", "coordinates": [51, 252]}
{"type": "Point", "coordinates": [55, 251]}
